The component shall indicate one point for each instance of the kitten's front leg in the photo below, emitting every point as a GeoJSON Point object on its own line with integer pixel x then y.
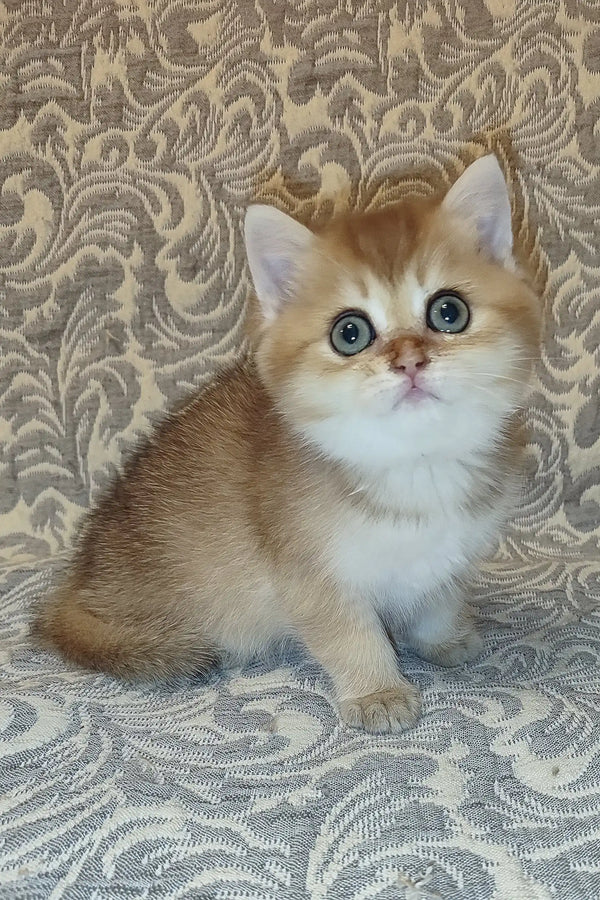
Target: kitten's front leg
{"type": "Point", "coordinates": [444, 632]}
{"type": "Point", "coordinates": [350, 643]}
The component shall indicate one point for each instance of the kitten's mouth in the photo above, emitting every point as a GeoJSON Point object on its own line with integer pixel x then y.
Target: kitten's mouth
{"type": "Point", "coordinates": [414, 396]}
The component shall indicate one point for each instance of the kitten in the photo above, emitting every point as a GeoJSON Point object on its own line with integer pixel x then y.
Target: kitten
{"type": "Point", "coordinates": [341, 482]}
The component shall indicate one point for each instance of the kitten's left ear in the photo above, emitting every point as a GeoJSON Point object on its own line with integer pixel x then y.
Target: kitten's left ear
{"type": "Point", "coordinates": [275, 246]}
{"type": "Point", "coordinates": [480, 198]}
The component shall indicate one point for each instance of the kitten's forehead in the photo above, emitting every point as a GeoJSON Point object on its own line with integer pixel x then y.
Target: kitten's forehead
{"type": "Point", "coordinates": [394, 304]}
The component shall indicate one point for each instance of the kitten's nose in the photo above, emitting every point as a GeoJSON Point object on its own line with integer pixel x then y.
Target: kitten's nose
{"type": "Point", "coordinates": [411, 368]}
{"type": "Point", "coordinates": [409, 357]}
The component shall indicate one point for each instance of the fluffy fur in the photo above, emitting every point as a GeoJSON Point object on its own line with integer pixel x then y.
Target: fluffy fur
{"type": "Point", "coordinates": [341, 499]}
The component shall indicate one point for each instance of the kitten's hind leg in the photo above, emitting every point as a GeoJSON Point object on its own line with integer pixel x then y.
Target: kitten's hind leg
{"type": "Point", "coordinates": [349, 641]}
{"type": "Point", "coordinates": [92, 633]}
{"type": "Point", "coordinates": [444, 632]}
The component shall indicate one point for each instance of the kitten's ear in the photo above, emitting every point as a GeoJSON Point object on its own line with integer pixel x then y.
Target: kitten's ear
{"type": "Point", "coordinates": [275, 246]}
{"type": "Point", "coordinates": [480, 198]}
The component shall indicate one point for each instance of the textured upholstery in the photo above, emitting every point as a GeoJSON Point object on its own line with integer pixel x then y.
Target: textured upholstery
{"type": "Point", "coordinates": [133, 133]}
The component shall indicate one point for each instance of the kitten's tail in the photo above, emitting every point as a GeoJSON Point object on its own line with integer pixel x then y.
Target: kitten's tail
{"type": "Point", "coordinates": [147, 650]}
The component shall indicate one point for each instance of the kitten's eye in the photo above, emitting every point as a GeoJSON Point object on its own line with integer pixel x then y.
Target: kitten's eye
{"type": "Point", "coordinates": [448, 312]}
{"type": "Point", "coordinates": [351, 333]}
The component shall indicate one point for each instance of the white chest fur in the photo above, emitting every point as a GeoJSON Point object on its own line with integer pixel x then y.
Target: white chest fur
{"type": "Point", "coordinates": [416, 514]}
{"type": "Point", "coordinates": [418, 533]}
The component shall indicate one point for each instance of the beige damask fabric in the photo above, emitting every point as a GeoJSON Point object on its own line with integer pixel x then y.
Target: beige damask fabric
{"type": "Point", "coordinates": [133, 134]}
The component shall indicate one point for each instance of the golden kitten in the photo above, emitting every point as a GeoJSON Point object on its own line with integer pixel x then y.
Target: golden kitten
{"type": "Point", "coordinates": [340, 483]}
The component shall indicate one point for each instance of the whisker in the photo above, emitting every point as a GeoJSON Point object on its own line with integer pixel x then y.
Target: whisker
{"type": "Point", "coordinates": [543, 357]}
{"type": "Point", "coordinates": [483, 389]}
{"type": "Point", "coordinates": [494, 375]}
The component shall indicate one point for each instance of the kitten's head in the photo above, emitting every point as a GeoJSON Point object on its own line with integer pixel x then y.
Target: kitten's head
{"type": "Point", "coordinates": [396, 332]}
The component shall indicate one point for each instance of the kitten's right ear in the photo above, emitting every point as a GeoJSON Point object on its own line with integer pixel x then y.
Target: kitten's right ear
{"type": "Point", "coordinates": [275, 245]}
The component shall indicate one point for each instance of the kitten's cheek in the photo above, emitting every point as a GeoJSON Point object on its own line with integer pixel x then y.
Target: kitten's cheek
{"type": "Point", "coordinates": [384, 400]}
{"type": "Point", "coordinates": [447, 387]}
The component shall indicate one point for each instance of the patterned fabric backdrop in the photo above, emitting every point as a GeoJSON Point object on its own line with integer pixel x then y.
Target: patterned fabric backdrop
{"type": "Point", "coordinates": [133, 133]}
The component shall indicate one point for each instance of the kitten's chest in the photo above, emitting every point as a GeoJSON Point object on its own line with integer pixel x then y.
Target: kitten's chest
{"type": "Point", "coordinates": [428, 537]}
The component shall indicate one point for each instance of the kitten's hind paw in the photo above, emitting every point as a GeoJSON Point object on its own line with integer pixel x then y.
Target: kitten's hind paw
{"type": "Point", "coordinates": [462, 650]}
{"type": "Point", "coordinates": [394, 709]}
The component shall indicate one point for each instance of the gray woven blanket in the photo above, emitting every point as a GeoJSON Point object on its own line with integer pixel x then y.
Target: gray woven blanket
{"type": "Point", "coordinates": [133, 133]}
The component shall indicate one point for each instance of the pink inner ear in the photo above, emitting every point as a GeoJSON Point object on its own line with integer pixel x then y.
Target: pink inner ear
{"type": "Point", "coordinates": [480, 198]}
{"type": "Point", "coordinates": [275, 246]}
{"type": "Point", "coordinates": [490, 240]}
{"type": "Point", "coordinates": [280, 271]}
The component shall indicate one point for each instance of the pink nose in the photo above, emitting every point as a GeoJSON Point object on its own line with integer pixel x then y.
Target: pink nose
{"type": "Point", "coordinates": [407, 353]}
{"type": "Point", "coordinates": [410, 367]}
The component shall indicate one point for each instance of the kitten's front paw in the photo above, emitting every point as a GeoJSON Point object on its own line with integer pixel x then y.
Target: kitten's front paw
{"type": "Point", "coordinates": [394, 709]}
{"type": "Point", "coordinates": [465, 648]}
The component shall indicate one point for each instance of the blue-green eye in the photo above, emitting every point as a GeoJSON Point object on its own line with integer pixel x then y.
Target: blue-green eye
{"type": "Point", "coordinates": [448, 312]}
{"type": "Point", "coordinates": [351, 333]}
